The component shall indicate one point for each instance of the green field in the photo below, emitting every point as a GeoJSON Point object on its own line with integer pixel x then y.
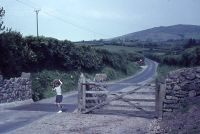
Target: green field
{"type": "Point", "coordinates": [114, 48]}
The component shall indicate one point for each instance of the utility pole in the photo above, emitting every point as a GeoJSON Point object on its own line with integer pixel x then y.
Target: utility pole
{"type": "Point", "coordinates": [37, 11]}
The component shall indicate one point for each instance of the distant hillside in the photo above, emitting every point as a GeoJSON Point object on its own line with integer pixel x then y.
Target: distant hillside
{"type": "Point", "coordinates": [163, 33]}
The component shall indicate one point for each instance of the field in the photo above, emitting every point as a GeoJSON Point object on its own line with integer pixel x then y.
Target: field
{"type": "Point", "coordinates": [114, 48]}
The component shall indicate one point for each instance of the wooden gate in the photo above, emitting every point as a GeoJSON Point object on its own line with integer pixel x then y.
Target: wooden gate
{"type": "Point", "coordinates": [94, 97]}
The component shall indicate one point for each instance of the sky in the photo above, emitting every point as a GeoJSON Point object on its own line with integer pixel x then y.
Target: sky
{"type": "Point", "coordinates": [78, 20]}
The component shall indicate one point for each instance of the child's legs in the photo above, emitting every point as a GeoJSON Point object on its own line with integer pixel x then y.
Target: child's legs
{"type": "Point", "coordinates": [59, 106]}
{"type": "Point", "coordinates": [58, 101]}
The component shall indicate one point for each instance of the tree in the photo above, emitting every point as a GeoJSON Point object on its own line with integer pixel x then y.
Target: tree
{"type": "Point", "coordinates": [2, 13]}
{"type": "Point", "coordinates": [190, 43]}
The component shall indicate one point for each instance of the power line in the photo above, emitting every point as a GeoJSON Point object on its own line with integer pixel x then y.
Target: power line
{"type": "Point", "coordinates": [77, 26]}
{"type": "Point", "coordinates": [26, 4]}
{"type": "Point", "coordinates": [63, 20]}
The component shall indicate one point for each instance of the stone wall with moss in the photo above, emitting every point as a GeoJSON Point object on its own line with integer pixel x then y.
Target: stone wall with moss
{"type": "Point", "coordinates": [180, 85]}
{"type": "Point", "coordinates": [15, 89]}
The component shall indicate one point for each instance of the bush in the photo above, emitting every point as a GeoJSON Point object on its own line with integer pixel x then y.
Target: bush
{"type": "Point", "coordinates": [41, 82]}
{"type": "Point", "coordinates": [189, 57]}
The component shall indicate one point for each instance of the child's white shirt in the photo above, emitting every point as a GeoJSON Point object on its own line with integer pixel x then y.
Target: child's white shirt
{"type": "Point", "coordinates": [58, 90]}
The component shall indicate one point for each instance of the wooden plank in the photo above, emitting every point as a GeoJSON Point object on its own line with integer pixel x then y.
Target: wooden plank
{"type": "Point", "coordinates": [144, 100]}
{"type": "Point", "coordinates": [145, 93]}
{"type": "Point", "coordinates": [128, 106]}
{"type": "Point", "coordinates": [91, 98]}
{"type": "Point", "coordinates": [138, 93]}
{"type": "Point", "coordinates": [96, 92]}
{"type": "Point", "coordinates": [105, 84]}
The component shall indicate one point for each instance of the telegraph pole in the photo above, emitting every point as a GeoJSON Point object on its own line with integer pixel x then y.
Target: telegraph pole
{"type": "Point", "coordinates": [37, 11]}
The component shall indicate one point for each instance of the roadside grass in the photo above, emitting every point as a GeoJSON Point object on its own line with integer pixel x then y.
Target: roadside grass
{"type": "Point", "coordinates": [41, 81]}
{"type": "Point", "coordinates": [114, 48]}
{"type": "Point", "coordinates": [164, 69]}
{"type": "Point", "coordinates": [114, 74]}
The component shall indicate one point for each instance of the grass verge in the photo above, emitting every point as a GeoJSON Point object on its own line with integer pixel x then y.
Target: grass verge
{"type": "Point", "coordinates": [41, 81]}
{"type": "Point", "coordinates": [163, 70]}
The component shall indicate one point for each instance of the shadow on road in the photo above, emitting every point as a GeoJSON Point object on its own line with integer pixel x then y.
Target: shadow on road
{"type": "Point", "coordinates": [148, 115]}
{"type": "Point", "coordinates": [45, 107]}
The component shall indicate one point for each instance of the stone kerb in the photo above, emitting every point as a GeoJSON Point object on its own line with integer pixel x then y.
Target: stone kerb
{"type": "Point", "coordinates": [180, 85]}
{"type": "Point", "coordinates": [15, 89]}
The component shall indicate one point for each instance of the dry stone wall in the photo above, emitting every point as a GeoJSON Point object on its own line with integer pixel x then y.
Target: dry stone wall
{"type": "Point", "coordinates": [180, 85]}
{"type": "Point", "coordinates": [15, 89]}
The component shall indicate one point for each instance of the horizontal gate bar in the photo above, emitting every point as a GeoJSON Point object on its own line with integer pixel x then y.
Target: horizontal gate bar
{"type": "Point", "coordinates": [145, 100]}
{"type": "Point", "coordinates": [96, 92]}
{"type": "Point", "coordinates": [92, 98]}
{"type": "Point", "coordinates": [145, 93]}
{"type": "Point", "coordinates": [127, 106]}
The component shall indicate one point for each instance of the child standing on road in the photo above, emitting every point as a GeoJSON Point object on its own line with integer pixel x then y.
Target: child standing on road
{"type": "Point", "coordinates": [57, 87]}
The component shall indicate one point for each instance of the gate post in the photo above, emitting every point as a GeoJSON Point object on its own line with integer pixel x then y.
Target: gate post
{"type": "Point", "coordinates": [160, 96]}
{"type": "Point", "coordinates": [81, 93]}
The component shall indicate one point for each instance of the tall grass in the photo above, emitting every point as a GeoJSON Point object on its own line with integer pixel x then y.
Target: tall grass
{"type": "Point", "coordinates": [164, 69]}
{"type": "Point", "coordinates": [114, 74]}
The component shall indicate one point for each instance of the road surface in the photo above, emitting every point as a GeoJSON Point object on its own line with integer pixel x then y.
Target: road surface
{"type": "Point", "coordinates": [16, 117]}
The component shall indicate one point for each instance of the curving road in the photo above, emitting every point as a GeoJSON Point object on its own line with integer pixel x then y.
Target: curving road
{"type": "Point", "coordinates": [16, 117]}
{"type": "Point", "coordinates": [146, 74]}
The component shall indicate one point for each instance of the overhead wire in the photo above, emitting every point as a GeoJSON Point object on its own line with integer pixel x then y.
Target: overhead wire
{"type": "Point", "coordinates": [63, 20]}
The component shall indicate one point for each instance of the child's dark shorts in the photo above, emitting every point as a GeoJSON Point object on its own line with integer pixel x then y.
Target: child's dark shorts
{"type": "Point", "coordinates": [59, 98]}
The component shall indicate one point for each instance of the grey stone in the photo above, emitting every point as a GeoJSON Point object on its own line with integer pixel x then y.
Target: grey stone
{"type": "Point", "coordinates": [198, 75]}
{"type": "Point", "coordinates": [176, 88]}
{"type": "Point", "coordinates": [189, 87]}
{"type": "Point", "coordinates": [170, 101]}
{"type": "Point", "coordinates": [25, 75]}
{"type": "Point", "coordinates": [192, 93]}
{"type": "Point", "coordinates": [173, 75]}
{"type": "Point", "coordinates": [168, 80]}
{"type": "Point", "coordinates": [181, 79]}
{"type": "Point", "coordinates": [181, 92]}
{"type": "Point", "coordinates": [190, 76]}
{"type": "Point", "coordinates": [169, 92]}
{"type": "Point", "coordinates": [180, 95]}
{"type": "Point", "coordinates": [198, 70]}
{"type": "Point", "coordinates": [168, 97]}
{"type": "Point", "coordinates": [15, 89]}
{"type": "Point", "coordinates": [168, 87]}
{"type": "Point", "coordinates": [170, 106]}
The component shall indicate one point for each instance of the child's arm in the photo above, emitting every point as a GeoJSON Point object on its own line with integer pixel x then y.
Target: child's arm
{"type": "Point", "coordinates": [60, 82]}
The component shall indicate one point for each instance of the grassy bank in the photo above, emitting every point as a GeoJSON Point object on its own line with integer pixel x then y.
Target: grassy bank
{"type": "Point", "coordinates": [114, 48]}
{"type": "Point", "coordinates": [41, 81]}
{"type": "Point", "coordinates": [163, 70]}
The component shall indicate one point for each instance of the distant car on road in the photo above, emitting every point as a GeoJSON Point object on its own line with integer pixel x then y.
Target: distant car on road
{"type": "Point", "coordinates": [141, 62]}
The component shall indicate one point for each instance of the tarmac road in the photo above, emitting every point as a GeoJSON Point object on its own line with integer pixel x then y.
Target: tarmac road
{"type": "Point", "coordinates": [146, 74]}
{"type": "Point", "coordinates": [16, 117]}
